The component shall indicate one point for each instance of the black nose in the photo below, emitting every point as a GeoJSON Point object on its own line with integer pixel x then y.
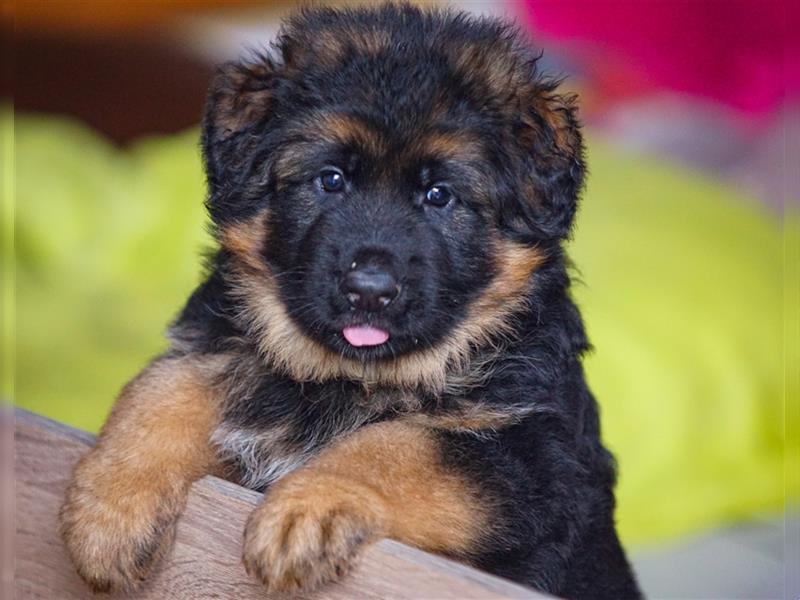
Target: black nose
{"type": "Point", "coordinates": [370, 288]}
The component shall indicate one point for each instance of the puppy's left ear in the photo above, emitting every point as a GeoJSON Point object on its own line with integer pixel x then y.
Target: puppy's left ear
{"type": "Point", "coordinates": [550, 134]}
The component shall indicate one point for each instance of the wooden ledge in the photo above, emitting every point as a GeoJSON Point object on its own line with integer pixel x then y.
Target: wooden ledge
{"type": "Point", "coordinates": [205, 561]}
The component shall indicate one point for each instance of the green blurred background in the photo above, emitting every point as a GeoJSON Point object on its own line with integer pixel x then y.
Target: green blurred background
{"type": "Point", "coordinates": [686, 265]}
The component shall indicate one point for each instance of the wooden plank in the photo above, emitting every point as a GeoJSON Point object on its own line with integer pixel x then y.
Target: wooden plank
{"type": "Point", "coordinates": [6, 500]}
{"type": "Point", "coordinates": [205, 562]}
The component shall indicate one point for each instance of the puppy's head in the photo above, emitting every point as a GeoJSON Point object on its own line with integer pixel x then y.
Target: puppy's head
{"type": "Point", "coordinates": [386, 182]}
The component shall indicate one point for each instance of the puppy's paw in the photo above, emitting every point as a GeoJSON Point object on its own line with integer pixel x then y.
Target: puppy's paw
{"type": "Point", "coordinates": [309, 531]}
{"type": "Point", "coordinates": [114, 540]}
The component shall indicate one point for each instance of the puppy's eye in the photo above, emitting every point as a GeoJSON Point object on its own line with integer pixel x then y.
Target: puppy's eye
{"type": "Point", "coordinates": [331, 180]}
{"type": "Point", "coordinates": [439, 196]}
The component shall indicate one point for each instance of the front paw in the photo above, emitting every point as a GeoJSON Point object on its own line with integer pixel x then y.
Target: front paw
{"type": "Point", "coordinates": [309, 531]}
{"type": "Point", "coordinates": [114, 540]}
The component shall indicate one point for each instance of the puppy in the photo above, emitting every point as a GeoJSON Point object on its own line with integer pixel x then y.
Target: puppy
{"type": "Point", "coordinates": [385, 342]}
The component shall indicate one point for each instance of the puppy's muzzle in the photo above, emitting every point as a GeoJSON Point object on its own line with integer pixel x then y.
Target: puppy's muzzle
{"type": "Point", "coordinates": [370, 288]}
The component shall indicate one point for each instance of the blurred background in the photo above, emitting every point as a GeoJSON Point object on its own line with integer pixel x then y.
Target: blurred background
{"type": "Point", "coordinates": [686, 248]}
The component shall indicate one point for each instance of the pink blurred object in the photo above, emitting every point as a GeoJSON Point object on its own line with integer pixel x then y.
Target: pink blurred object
{"type": "Point", "coordinates": [743, 53]}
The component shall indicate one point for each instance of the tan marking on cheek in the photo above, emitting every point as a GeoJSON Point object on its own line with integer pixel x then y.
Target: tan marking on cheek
{"type": "Point", "coordinates": [516, 263]}
{"type": "Point", "coordinates": [246, 240]}
{"type": "Point", "coordinates": [489, 314]}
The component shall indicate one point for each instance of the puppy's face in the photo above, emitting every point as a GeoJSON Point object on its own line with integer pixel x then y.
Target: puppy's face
{"type": "Point", "coordinates": [395, 178]}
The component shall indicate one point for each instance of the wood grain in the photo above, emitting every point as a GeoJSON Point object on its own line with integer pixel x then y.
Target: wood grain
{"type": "Point", "coordinates": [205, 562]}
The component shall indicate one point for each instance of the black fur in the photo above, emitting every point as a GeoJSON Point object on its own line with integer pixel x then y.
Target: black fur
{"type": "Point", "coordinates": [546, 472]}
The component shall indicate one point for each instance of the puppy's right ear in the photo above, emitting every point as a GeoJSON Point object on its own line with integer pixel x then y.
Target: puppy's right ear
{"type": "Point", "coordinates": [240, 101]}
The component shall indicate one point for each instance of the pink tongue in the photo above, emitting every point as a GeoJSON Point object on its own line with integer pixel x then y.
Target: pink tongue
{"type": "Point", "coordinates": [364, 335]}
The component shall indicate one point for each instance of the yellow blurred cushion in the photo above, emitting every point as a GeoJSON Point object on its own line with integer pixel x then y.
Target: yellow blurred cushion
{"type": "Point", "coordinates": [682, 295]}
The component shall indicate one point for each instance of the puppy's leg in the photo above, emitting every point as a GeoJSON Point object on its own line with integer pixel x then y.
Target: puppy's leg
{"type": "Point", "coordinates": [126, 494]}
{"type": "Point", "coordinates": [385, 480]}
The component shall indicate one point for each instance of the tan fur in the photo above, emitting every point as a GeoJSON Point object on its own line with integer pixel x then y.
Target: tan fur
{"type": "Point", "coordinates": [553, 109]}
{"type": "Point", "coordinates": [337, 128]}
{"type": "Point", "coordinates": [457, 146]}
{"type": "Point", "coordinates": [345, 129]}
{"type": "Point", "coordinates": [126, 493]}
{"type": "Point", "coordinates": [385, 480]}
{"type": "Point", "coordinates": [240, 104]}
{"type": "Point", "coordinates": [471, 417]}
{"type": "Point", "coordinates": [500, 70]}
{"type": "Point", "coordinates": [284, 345]}
{"type": "Point", "coordinates": [495, 67]}
{"type": "Point", "coordinates": [246, 241]}
{"type": "Point", "coordinates": [332, 46]}
{"type": "Point", "coordinates": [371, 41]}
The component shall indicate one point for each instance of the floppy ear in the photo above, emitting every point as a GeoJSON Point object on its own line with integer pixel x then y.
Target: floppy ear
{"type": "Point", "coordinates": [241, 100]}
{"type": "Point", "coordinates": [547, 163]}
{"type": "Point", "coordinates": [550, 134]}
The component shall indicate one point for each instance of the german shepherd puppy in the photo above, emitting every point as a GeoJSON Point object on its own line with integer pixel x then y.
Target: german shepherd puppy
{"type": "Point", "coordinates": [385, 342]}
